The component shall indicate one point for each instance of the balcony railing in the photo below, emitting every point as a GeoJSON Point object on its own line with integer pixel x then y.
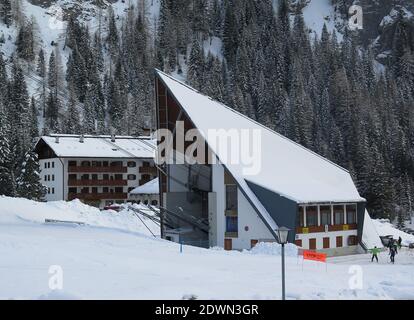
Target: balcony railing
{"type": "Point", "coordinates": [98, 196]}
{"type": "Point", "coordinates": [148, 170]}
{"type": "Point", "coordinates": [85, 169]}
{"type": "Point", "coordinates": [96, 183]}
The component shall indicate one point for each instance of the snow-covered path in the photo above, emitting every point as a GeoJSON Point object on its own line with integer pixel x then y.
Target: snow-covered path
{"type": "Point", "coordinates": [104, 262]}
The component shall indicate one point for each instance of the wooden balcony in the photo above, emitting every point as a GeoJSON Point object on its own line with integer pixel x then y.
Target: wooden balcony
{"type": "Point", "coordinates": [319, 229]}
{"type": "Point", "coordinates": [97, 183]}
{"type": "Point", "coordinates": [148, 170]}
{"type": "Point", "coordinates": [98, 196]}
{"type": "Point", "coordinates": [110, 169]}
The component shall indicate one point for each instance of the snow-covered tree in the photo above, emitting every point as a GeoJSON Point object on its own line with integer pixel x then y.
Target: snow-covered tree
{"type": "Point", "coordinates": [28, 183]}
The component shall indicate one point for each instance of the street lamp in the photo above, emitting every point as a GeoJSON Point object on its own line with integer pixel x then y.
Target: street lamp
{"type": "Point", "coordinates": [282, 238]}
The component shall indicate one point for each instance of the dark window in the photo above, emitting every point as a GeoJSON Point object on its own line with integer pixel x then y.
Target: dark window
{"type": "Point", "coordinates": [119, 177]}
{"type": "Point", "coordinates": [145, 164]}
{"type": "Point", "coordinates": [351, 212]}
{"type": "Point", "coordinates": [312, 244]}
{"type": "Point", "coordinates": [105, 189]}
{"type": "Point", "coordinates": [72, 177]}
{"type": "Point", "coordinates": [72, 163]}
{"type": "Point", "coordinates": [352, 240]}
{"type": "Point", "coordinates": [231, 197]}
{"type": "Point", "coordinates": [132, 164]}
{"type": "Point", "coordinates": [132, 177]}
{"type": "Point", "coordinates": [48, 190]}
{"type": "Point", "coordinates": [48, 177]}
{"type": "Point", "coordinates": [48, 164]}
{"type": "Point", "coordinates": [53, 177]}
{"type": "Point", "coordinates": [95, 190]}
{"type": "Point", "coordinates": [45, 165]}
{"type": "Point", "coordinates": [146, 202]}
{"type": "Point", "coordinates": [299, 218]}
{"type": "Point", "coordinates": [119, 190]}
{"type": "Point", "coordinates": [339, 215]}
{"type": "Point", "coordinates": [53, 190]}
{"type": "Point", "coordinates": [105, 177]}
{"type": "Point", "coordinates": [45, 178]}
{"type": "Point", "coordinates": [325, 215]}
{"type": "Point", "coordinates": [96, 164]}
{"type": "Point", "coordinates": [130, 189]}
{"type": "Point", "coordinates": [232, 224]}
{"type": "Point", "coordinates": [94, 177]}
{"type": "Point", "coordinates": [154, 202]}
{"type": "Point", "coordinates": [86, 164]}
{"type": "Point", "coordinates": [116, 164]}
{"type": "Point", "coordinates": [53, 164]}
{"type": "Point", "coordinates": [85, 190]}
{"type": "Point", "coordinates": [85, 177]}
{"type": "Point", "coordinates": [105, 164]}
{"type": "Point", "coordinates": [311, 216]}
{"type": "Point", "coordinates": [73, 190]}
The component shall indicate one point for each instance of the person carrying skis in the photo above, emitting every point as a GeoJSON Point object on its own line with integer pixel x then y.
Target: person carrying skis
{"type": "Point", "coordinates": [375, 252]}
{"type": "Point", "coordinates": [393, 252]}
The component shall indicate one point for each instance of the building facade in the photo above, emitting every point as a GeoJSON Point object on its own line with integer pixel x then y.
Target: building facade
{"type": "Point", "coordinates": [218, 204]}
{"type": "Point", "coordinates": [98, 170]}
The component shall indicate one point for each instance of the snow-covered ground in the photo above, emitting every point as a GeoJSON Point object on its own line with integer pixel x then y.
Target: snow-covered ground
{"type": "Point", "coordinates": [113, 256]}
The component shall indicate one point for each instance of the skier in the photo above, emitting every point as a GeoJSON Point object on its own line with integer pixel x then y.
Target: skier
{"type": "Point", "coordinates": [393, 252]}
{"type": "Point", "coordinates": [375, 252]}
{"type": "Point", "coordinates": [399, 243]}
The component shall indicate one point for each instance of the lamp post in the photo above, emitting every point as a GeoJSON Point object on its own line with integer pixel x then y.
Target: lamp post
{"type": "Point", "coordinates": [282, 236]}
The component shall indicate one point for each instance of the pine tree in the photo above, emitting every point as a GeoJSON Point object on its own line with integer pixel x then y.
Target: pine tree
{"type": "Point", "coordinates": [6, 12]}
{"type": "Point", "coordinates": [28, 183]}
{"type": "Point", "coordinates": [195, 65]}
{"type": "Point", "coordinates": [71, 124]}
{"type": "Point", "coordinates": [6, 174]}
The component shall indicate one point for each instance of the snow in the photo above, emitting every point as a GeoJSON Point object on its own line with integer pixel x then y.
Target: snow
{"type": "Point", "coordinates": [101, 146]}
{"type": "Point", "coordinates": [106, 261]}
{"type": "Point", "coordinates": [151, 187]}
{"type": "Point", "coordinates": [370, 236]}
{"type": "Point", "coordinates": [385, 228]}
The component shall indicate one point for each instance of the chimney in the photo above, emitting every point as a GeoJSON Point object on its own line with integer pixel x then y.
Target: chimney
{"type": "Point", "coordinates": [113, 138]}
{"type": "Point", "coordinates": [56, 139]}
{"type": "Point", "coordinates": [82, 139]}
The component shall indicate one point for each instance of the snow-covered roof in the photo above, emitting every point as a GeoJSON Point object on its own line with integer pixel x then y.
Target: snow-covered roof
{"type": "Point", "coordinates": [148, 188]}
{"type": "Point", "coordinates": [287, 168]}
{"type": "Point", "coordinates": [67, 146]}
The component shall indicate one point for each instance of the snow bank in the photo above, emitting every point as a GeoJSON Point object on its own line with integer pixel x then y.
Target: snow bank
{"type": "Point", "coordinates": [14, 210]}
{"type": "Point", "coordinates": [274, 249]}
{"type": "Point", "coordinates": [384, 228]}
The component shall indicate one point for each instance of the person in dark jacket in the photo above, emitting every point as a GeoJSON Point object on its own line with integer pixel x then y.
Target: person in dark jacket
{"type": "Point", "coordinates": [393, 252]}
{"type": "Point", "coordinates": [399, 243]}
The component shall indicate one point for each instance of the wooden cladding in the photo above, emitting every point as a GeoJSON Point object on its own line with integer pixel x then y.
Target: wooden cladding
{"type": "Point", "coordinates": [98, 196]}
{"type": "Point", "coordinates": [97, 183]}
{"type": "Point", "coordinates": [318, 229]}
{"type": "Point", "coordinates": [86, 169]}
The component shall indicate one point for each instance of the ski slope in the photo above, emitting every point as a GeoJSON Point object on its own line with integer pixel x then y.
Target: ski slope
{"type": "Point", "coordinates": [114, 257]}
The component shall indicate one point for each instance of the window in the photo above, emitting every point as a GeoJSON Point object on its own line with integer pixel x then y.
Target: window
{"type": "Point", "coordinates": [48, 165]}
{"type": "Point", "coordinates": [53, 177]}
{"type": "Point", "coordinates": [85, 177]}
{"type": "Point", "coordinates": [130, 189]}
{"type": "Point", "coordinates": [94, 190]}
{"type": "Point", "coordinates": [351, 212]}
{"type": "Point", "coordinates": [300, 217]}
{"type": "Point", "coordinates": [119, 190]}
{"type": "Point", "coordinates": [312, 244]}
{"type": "Point", "coordinates": [96, 164]}
{"type": "Point", "coordinates": [105, 189]}
{"type": "Point", "coordinates": [105, 177]}
{"type": "Point", "coordinates": [326, 243]}
{"type": "Point", "coordinates": [45, 165]}
{"type": "Point", "coordinates": [132, 164]}
{"type": "Point", "coordinates": [53, 190]}
{"type": "Point", "coordinates": [116, 164]}
{"type": "Point", "coordinates": [325, 215]}
{"type": "Point", "coordinates": [339, 242]}
{"type": "Point", "coordinates": [232, 224]}
{"type": "Point", "coordinates": [145, 164]}
{"type": "Point", "coordinates": [119, 177]}
{"type": "Point", "coordinates": [48, 177]}
{"type": "Point", "coordinates": [154, 202]}
{"type": "Point", "coordinates": [72, 163]}
{"type": "Point", "coordinates": [85, 190]}
{"type": "Point", "coordinates": [352, 240]}
{"type": "Point", "coordinates": [72, 177]}
{"type": "Point", "coordinates": [311, 216]}
{"type": "Point", "coordinates": [105, 164]}
{"type": "Point", "coordinates": [231, 198]}
{"type": "Point", "coordinates": [86, 164]}
{"type": "Point", "coordinates": [48, 190]}
{"type": "Point", "coordinates": [132, 177]}
{"type": "Point", "coordinates": [45, 178]}
{"type": "Point", "coordinates": [339, 215]}
{"type": "Point", "coordinates": [73, 190]}
{"type": "Point", "coordinates": [146, 202]}
{"type": "Point", "coordinates": [53, 164]}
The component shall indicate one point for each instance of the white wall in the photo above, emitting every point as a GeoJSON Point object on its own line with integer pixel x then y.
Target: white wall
{"type": "Point", "coordinates": [55, 186]}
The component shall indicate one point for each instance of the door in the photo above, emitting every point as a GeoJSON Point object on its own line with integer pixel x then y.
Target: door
{"type": "Point", "coordinates": [339, 242]}
{"type": "Point", "coordinates": [312, 244]}
{"type": "Point", "coordinates": [228, 244]}
{"type": "Point", "coordinates": [326, 243]}
{"type": "Point", "coordinates": [253, 243]}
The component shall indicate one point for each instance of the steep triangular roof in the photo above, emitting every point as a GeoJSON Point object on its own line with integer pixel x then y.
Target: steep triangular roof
{"type": "Point", "coordinates": [287, 168]}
